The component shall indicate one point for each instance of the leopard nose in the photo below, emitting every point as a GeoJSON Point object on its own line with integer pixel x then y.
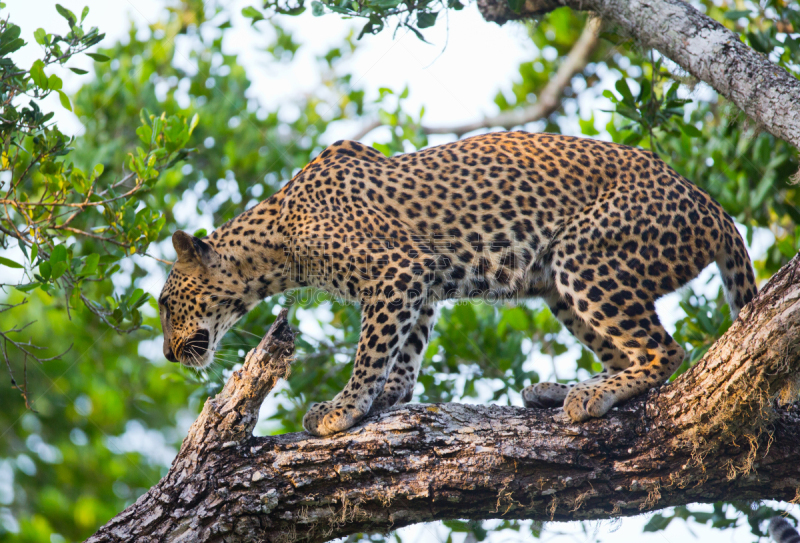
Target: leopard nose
{"type": "Point", "coordinates": [168, 354]}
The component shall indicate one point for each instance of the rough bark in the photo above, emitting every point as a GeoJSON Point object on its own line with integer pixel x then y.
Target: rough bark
{"type": "Point", "coordinates": [725, 428]}
{"type": "Point", "coordinates": [698, 44]}
{"type": "Point", "coordinates": [547, 102]}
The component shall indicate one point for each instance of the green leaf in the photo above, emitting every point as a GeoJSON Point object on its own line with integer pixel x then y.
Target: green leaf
{"type": "Point", "coordinates": [622, 87]}
{"type": "Point", "coordinates": [426, 20]}
{"type": "Point", "coordinates": [64, 100]}
{"type": "Point", "coordinates": [37, 74]}
{"type": "Point", "coordinates": [54, 82]}
{"type": "Point", "coordinates": [201, 233]}
{"type": "Point", "coordinates": [516, 318]}
{"type": "Point", "coordinates": [58, 270]}
{"type": "Point", "coordinates": [138, 298]}
{"type": "Point", "coordinates": [385, 3]}
{"type": "Point", "coordinates": [79, 71]}
{"type": "Point", "coordinates": [657, 523]}
{"type": "Point", "coordinates": [40, 36]}
{"type": "Point", "coordinates": [27, 287]}
{"type": "Point", "coordinates": [787, 248]}
{"type": "Point", "coordinates": [145, 134]}
{"type": "Point", "coordinates": [34, 252]}
{"type": "Point", "coordinates": [67, 14]}
{"type": "Point", "coordinates": [193, 123]}
{"type": "Point", "coordinates": [79, 182]}
{"type": "Point", "coordinates": [252, 13]}
{"type": "Point", "coordinates": [383, 148]}
{"type": "Point", "coordinates": [587, 127]}
{"type": "Point", "coordinates": [9, 263]}
{"type": "Point", "coordinates": [336, 9]}
{"type": "Point", "coordinates": [90, 264]}
{"type": "Point", "coordinates": [691, 130]}
{"type": "Point", "coordinates": [105, 260]}
{"type": "Point", "coordinates": [11, 33]}
{"type": "Point", "coordinates": [317, 8]}
{"type": "Point", "coordinates": [735, 14]}
{"type": "Point", "coordinates": [10, 47]}
{"type": "Point", "coordinates": [632, 139]}
{"type": "Point", "coordinates": [98, 57]}
{"type": "Point", "coordinates": [45, 269]}
{"type": "Point", "coordinates": [59, 254]}
{"type": "Point", "coordinates": [84, 13]}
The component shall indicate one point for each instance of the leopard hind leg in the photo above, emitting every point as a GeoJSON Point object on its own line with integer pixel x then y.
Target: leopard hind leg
{"type": "Point", "coordinates": [625, 315]}
{"type": "Point", "coordinates": [546, 394]}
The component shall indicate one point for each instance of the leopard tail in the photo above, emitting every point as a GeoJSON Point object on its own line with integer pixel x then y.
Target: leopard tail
{"type": "Point", "coordinates": [783, 532]}
{"type": "Point", "coordinates": [734, 264]}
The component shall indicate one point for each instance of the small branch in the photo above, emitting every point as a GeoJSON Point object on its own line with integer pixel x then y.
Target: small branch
{"type": "Point", "coordinates": [547, 102]}
{"type": "Point", "coordinates": [238, 403]}
{"type": "Point", "coordinates": [86, 202]}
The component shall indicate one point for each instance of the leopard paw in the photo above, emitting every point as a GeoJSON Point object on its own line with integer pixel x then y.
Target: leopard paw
{"type": "Point", "coordinates": [584, 403]}
{"type": "Point", "coordinates": [544, 395]}
{"type": "Point", "coordinates": [326, 418]}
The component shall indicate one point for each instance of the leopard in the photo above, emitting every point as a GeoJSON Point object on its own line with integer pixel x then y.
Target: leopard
{"type": "Point", "coordinates": [597, 230]}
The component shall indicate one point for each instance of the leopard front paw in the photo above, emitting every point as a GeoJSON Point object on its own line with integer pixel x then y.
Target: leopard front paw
{"type": "Point", "coordinates": [326, 418]}
{"type": "Point", "coordinates": [584, 403]}
{"type": "Point", "coordinates": [544, 395]}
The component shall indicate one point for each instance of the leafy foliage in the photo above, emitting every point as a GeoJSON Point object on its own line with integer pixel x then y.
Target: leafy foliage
{"type": "Point", "coordinates": [72, 226]}
{"type": "Point", "coordinates": [755, 514]}
{"type": "Point", "coordinates": [413, 15]}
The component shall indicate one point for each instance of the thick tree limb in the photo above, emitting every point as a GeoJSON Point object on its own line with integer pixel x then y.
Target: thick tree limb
{"type": "Point", "coordinates": [716, 432]}
{"type": "Point", "coordinates": [698, 44]}
{"type": "Point", "coordinates": [547, 101]}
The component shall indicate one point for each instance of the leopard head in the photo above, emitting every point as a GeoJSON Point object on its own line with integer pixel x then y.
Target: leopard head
{"type": "Point", "coordinates": [201, 300]}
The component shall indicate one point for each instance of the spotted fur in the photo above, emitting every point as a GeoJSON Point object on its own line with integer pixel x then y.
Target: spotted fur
{"type": "Point", "coordinates": [599, 230]}
{"type": "Point", "coordinates": [783, 532]}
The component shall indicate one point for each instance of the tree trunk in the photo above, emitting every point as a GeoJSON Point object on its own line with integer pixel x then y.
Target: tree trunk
{"type": "Point", "coordinates": [699, 45]}
{"type": "Point", "coordinates": [718, 431]}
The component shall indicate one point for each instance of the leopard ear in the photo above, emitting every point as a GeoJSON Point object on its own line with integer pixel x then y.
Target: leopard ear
{"type": "Point", "coordinates": [191, 249]}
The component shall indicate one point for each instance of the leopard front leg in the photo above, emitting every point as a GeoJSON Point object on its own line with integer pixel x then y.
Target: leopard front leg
{"type": "Point", "coordinates": [385, 327]}
{"type": "Point", "coordinates": [399, 386]}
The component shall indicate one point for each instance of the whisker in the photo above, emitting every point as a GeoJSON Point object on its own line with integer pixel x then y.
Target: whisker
{"type": "Point", "coordinates": [227, 359]}
{"type": "Point", "coordinates": [239, 329]}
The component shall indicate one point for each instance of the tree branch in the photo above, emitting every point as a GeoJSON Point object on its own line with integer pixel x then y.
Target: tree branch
{"type": "Point", "coordinates": [547, 102]}
{"type": "Point", "coordinates": [718, 430]}
{"type": "Point", "coordinates": [697, 43]}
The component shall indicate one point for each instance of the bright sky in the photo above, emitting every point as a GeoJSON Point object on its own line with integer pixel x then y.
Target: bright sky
{"type": "Point", "coordinates": [455, 78]}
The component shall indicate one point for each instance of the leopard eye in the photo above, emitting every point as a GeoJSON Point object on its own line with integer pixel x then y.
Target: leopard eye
{"type": "Point", "coordinates": [164, 307]}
